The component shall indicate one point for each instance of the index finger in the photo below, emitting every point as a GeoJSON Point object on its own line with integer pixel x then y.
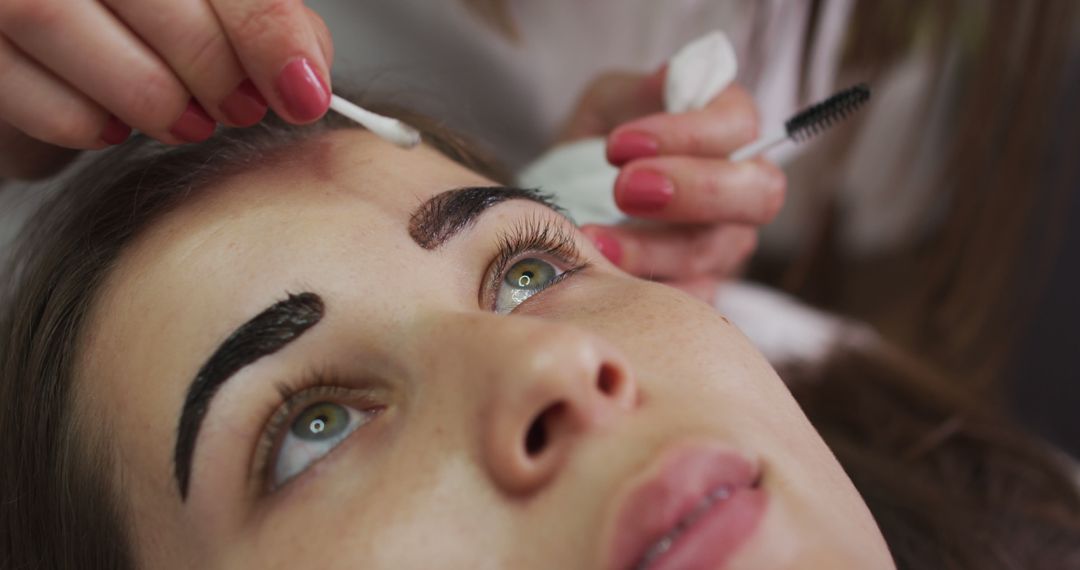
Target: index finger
{"type": "Point", "coordinates": [278, 46]}
{"type": "Point", "coordinates": [728, 122]}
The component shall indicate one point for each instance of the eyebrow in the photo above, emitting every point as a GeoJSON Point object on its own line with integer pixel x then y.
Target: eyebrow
{"type": "Point", "coordinates": [266, 333]}
{"type": "Point", "coordinates": [432, 224]}
{"type": "Point", "coordinates": [445, 215]}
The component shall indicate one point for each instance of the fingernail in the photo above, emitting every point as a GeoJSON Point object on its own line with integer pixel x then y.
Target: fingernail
{"type": "Point", "coordinates": [305, 95]}
{"type": "Point", "coordinates": [606, 243]}
{"type": "Point", "coordinates": [245, 106]}
{"type": "Point", "coordinates": [630, 145]}
{"type": "Point", "coordinates": [194, 125]}
{"type": "Point", "coordinates": [643, 191]}
{"type": "Point", "coordinates": [115, 131]}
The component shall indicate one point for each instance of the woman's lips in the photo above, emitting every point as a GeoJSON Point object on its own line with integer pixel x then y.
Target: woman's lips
{"type": "Point", "coordinates": [694, 511]}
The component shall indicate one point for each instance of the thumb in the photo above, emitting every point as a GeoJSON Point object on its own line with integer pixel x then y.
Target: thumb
{"type": "Point", "coordinates": [612, 99]}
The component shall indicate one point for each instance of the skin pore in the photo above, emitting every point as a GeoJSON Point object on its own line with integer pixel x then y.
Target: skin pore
{"type": "Point", "coordinates": [440, 464]}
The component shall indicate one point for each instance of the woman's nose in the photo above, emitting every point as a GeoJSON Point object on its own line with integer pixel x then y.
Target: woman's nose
{"type": "Point", "coordinates": [551, 390]}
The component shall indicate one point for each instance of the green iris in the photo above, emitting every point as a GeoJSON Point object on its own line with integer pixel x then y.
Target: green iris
{"type": "Point", "coordinates": [321, 421]}
{"type": "Point", "coordinates": [530, 274]}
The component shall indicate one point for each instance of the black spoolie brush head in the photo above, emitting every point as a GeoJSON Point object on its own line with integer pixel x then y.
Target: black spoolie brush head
{"type": "Point", "coordinates": [823, 115]}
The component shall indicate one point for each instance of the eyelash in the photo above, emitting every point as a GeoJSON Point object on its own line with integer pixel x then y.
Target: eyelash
{"type": "Point", "coordinates": [535, 234]}
{"type": "Point", "coordinates": [295, 396]}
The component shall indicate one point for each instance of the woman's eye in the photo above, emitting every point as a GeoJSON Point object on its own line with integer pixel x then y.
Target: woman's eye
{"type": "Point", "coordinates": [524, 279]}
{"type": "Point", "coordinates": [318, 429]}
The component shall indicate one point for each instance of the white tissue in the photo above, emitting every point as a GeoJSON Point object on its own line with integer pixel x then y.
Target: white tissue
{"type": "Point", "coordinates": [578, 175]}
{"type": "Point", "coordinates": [582, 181]}
{"type": "Point", "coordinates": [579, 178]}
{"type": "Point", "coordinates": [699, 72]}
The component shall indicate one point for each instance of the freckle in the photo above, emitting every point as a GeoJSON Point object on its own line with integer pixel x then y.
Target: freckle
{"type": "Point", "coordinates": [725, 319]}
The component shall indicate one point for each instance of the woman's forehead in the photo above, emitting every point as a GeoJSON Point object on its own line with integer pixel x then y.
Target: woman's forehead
{"type": "Point", "coordinates": [344, 188]}
{"type": "Point", "coordinates": [346, 163]}
{"type": "Point", "coordinates": [314, 216]}
{"type": "Point", "coordinates": [322, 217]}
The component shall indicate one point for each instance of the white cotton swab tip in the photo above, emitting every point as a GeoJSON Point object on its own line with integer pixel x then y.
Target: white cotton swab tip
{"type": "Point", "coordinates": [391, 130]}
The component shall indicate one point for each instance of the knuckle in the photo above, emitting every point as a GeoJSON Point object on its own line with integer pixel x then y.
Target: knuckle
{"type": "Point", "coordinates": [267, 16]}
{"type": "Point", "coordinates": [322, 32]}
{"type": "Point", "coordinates": [740, 99]}
{"type": "Point", "coordinates": [701, 252]}
{"type": "Point", "coordinates": [710, 188]}
{"type": "Point", "coordinates": [777, 178]}
{"type": "Point", "coordinates": [743, 111]}
{"type": "Point", "coordinates": [156, 102]}
{"type": "Point", "coordinates": [317, 21]}
{"type": "Point", "coordinates": [775, 182]}
{"type": "Point", "coordinates": [696, 141]}
{"type": "Point", "coordinates": [206, 52]}
{"type": "Point", "coordinates": [69, 127]}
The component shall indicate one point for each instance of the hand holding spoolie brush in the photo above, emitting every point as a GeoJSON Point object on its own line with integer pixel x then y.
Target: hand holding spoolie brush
{"type": "Point", "coordinates": [710, 197]}
{"type": "Point", "coordinates": [809, 122]}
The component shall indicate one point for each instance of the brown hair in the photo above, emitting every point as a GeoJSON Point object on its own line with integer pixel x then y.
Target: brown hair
{"type": "Point", "coordinates": [960, 295]}
{"type": "Point", "coordinates": [57, 508]}
{"type": "Point", "coordinates": [944, 497]}
{"type": "Point", "coordinates": [949, 480]}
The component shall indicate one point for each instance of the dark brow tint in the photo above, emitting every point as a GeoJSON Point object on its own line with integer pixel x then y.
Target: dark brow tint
{"type": "Point", "coordinates": [266, 333]}
{"type": "Point", "coordinates": [444, 215]}
{"type": "Point", "coordinates": [437, 220]}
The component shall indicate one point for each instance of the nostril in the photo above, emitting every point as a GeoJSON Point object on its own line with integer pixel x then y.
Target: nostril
{"type": "Point", "coordinates": [538, 436]}
{"type": "Point", "coordinates": [608, 380]}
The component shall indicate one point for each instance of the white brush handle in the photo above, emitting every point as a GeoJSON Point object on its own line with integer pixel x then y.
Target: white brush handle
{"type": "Point", "coordinates": [389, 129]}
{"type": "Point", "coordinates": [759, 146]}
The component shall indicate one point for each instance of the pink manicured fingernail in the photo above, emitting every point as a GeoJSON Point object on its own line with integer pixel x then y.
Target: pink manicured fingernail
{"type": "Point", "coordinates": [194, 125]}
{"type": "Point", "coordinates": [643, 191]}
{"type": "Point", "coordinates": [245, 106]}
{"type": "Point", "coordinates": [115, 131]}
{"type": "Point", "coordinates": [305, 95]}
{"type": "Point", "coordinates": [606, 243]}
{"type": "Point", "coordinates": [630, 145]}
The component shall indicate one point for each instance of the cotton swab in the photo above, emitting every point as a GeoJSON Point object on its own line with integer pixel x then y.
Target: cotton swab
{"type": "Point", "coordinates": [390, 130]}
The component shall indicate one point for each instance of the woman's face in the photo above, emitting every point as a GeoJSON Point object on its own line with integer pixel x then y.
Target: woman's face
{"type": "Point", "coordinates": [331, 350]}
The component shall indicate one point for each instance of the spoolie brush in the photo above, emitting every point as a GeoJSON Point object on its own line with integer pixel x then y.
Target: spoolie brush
{"type": "Point", "coordinates": [810, 121]}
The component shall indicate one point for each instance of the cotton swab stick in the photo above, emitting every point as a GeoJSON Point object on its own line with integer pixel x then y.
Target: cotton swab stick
{"type": "Point", "coordinates": [809, 122]}
{"type": "Point", "coordinates": [390, 130]}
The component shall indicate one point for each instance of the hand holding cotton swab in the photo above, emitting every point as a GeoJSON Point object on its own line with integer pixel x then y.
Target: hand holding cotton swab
{"type": "Point", "coordinates": [391, 130]}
